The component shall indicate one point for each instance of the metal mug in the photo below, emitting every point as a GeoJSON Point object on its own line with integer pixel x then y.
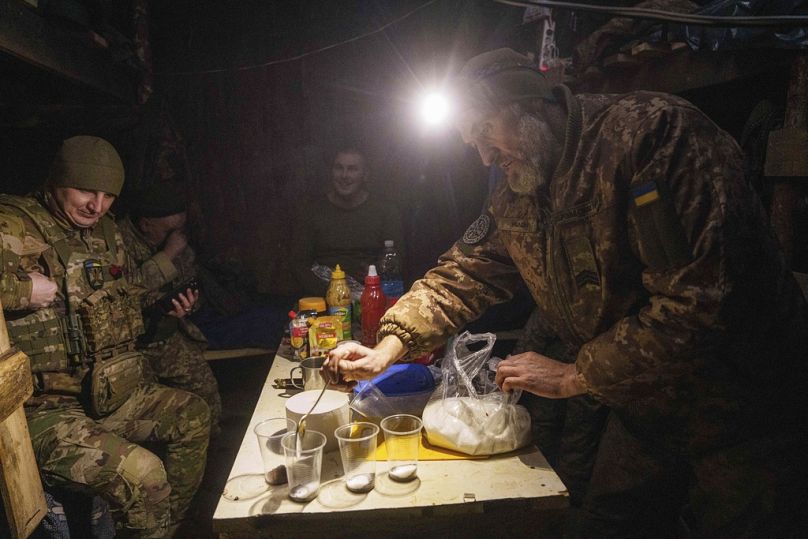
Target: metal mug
{"type": "Point", "coordinates": [310, 369]}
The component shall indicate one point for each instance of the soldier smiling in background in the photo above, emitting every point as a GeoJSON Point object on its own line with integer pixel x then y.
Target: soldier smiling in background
{"type": "Point", "coordinates": [630, 221]}
{"type": "Point", "coordinates": [70, 307]}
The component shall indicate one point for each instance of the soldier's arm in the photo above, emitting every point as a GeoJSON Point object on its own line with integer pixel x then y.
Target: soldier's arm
{"type": "Point", "coordinates": [689, 209]}
{"type": "Point", "coordinates": [470, 277]}
{"type": "Point", "coordinates": [15, 285]}
{"type": "Point", "coordinates": [146, 274]}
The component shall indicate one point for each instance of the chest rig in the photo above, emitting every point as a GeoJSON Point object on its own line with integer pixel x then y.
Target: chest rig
{"type": "Point", "coordinates": [100, 320]}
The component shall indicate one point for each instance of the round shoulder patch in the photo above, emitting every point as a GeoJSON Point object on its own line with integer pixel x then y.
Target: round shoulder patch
{"type": "Point", "coordinates": [478, 230]}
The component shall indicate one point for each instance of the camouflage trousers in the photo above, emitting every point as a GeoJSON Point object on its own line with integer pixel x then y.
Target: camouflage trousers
{"type": "Point", "coordinates": [752, 488]}
{"type": "Point", "coordinates": [103, 456]}
{"type": "Point", "coordinates": [179, 362]}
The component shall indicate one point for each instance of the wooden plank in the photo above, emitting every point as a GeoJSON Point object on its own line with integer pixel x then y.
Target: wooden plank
{"type": "Point", "coordinates": [33, 39]}
{"type": "Point", "coordinates": [787, 153]}
{"type": "Point", "coordinates": [20, 485]}
{"type": "Point", "coordinates": [214, 355]}
{"type": "Point", "coordinates": [676, 73]}
{"type": "Point", "coordinates": [15, 373]}
{"type": "Point", "coordinates": [646, 50]}
{"type": "Point", "coordinates": [619, 61]}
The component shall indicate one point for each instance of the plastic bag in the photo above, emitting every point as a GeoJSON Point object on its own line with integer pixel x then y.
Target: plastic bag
{"type": "Point", "coordinates": [468, 412]}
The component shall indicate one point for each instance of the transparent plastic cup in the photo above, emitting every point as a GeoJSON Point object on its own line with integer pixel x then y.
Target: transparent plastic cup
{"type": "Point", "coordinates": [304, 463]}
{"type": "Point", "coordinates": [371, 402]}
{"type": "Point", "coordinates": [269, 433]}
{"type": "Point", "coordinates": [357, 448]}
{"type": "Point", "coordinates": [402, 434]}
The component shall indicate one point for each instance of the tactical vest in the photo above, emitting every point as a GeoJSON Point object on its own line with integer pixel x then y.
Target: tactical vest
{"type": "Point", "coordinates": [102, 318]}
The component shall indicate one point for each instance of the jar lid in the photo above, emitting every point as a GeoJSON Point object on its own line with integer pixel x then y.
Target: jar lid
{"type": "Point", "coordinates": [312, 303]}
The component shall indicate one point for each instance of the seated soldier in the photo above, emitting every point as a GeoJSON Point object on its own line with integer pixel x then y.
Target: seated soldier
{"type": "Point", "coordinates": [163, 263]}
{"type": "Point", "coordinates": [70, 307]}
{"type": "Point", "coordinates": [347, 225]}
{"type": "Point", "coordinates": [156, 241]}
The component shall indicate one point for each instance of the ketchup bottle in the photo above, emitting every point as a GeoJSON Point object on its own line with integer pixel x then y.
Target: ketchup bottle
{"type": "Point", "coordinates": [372, 305]}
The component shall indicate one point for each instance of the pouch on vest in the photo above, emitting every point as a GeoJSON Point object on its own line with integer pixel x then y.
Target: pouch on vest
{"type": "Point", "coordinates": [110, 317]}
{"type": "Point", "coordinates": [41, 335]}
{"type": "Point", "coordinates": [112, 381]}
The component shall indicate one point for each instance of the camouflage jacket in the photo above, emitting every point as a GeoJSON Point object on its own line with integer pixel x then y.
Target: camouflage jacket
{"type": "Point", "coordinates": [87, 264]}
{"type": "Point", "coordinates": [158, 275]}
{"type": "Point", "coordinates": [649, 253]}
{"type": "Point", "coordinates": [152, 269]}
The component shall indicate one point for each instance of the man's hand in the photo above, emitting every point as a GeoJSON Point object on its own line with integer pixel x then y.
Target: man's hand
{"type": "Point", "coordinates": [184, 303]}
{"type": "Point", "coordinates": [176, 242]}
{"type": "Point", "coordinates": [539, 375]}
{"type": "Point", "coordinates": [351, 362]}
{"type": "Point", "coordinates": [43, 291]}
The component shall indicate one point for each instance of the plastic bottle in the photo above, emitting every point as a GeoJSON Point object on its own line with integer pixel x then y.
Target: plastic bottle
{"type": "Point", "coordinates": [299, 333]}
{"type": "Point", "coordinates": [390, 272]}
{"type": "Point", "coordinates": [338, 298]}
{"type": "Point", "coordinates": [373, 305]}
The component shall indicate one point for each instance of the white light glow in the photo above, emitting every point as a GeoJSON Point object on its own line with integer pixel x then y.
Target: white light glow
{"type": "Point", "coordinates": [434, 109]}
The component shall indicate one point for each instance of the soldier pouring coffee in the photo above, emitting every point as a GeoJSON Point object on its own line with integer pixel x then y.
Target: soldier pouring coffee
{"type": "Point", "coordinates": [629, 219]}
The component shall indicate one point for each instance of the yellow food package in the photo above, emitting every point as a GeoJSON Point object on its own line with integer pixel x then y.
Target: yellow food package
{"type": "Point", "coordinates": [324, 334]}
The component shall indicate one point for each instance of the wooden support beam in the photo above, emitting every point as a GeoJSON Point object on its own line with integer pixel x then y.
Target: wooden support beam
{"type": "Point", "coordinates": [20, 486]}
{"type": "Point", "coordinates": [40, 42]}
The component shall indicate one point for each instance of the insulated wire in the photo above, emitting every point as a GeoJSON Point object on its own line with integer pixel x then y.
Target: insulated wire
{"type": "Point", "coordinates": [311, 52]}
{"type": "Point", "coordinates": [669, 16]}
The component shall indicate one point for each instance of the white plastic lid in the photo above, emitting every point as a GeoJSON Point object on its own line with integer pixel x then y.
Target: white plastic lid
{"type": "Point", "coordinates": [389, 243]}
{"type": "Point", "coordinates": [372, 271]}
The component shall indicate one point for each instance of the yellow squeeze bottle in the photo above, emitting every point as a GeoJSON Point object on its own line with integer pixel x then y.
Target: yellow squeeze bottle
{"type": "Point", "coordinates": [338, 299]}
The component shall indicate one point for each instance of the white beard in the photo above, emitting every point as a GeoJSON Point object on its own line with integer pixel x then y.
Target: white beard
{"type": "Point", "coordinates": [525, 176]}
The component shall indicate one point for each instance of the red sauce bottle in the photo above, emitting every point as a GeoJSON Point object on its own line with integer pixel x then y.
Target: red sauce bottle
{"type": "Point", "coordinates": [372, 305]}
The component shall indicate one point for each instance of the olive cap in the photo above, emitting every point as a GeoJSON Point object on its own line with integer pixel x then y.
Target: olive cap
{"type": "Point", "coordinates": [496, 78]}
{"type": "Point", "coordinates": [90, 163]}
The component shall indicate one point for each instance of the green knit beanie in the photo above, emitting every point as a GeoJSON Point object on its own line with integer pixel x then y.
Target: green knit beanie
{"type": "Point", "coordinates": [496, 78]}
{"type": "Point", "coordinates": [89, 163]}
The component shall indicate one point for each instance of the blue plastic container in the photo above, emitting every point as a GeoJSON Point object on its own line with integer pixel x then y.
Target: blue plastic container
{"type": "Point", "coordinates": [406, 386]}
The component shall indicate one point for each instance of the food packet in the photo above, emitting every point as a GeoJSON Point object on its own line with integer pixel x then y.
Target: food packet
{"type": "Point", "coordinates": [324, 334]}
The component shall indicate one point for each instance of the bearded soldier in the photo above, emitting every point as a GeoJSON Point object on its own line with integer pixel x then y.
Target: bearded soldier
{"type": "Point", "coordinates": [629, 219]}
{"type": "Point", "coordinates": [162, 261]}
{"type": "Point", "coordinates": [70, 307]}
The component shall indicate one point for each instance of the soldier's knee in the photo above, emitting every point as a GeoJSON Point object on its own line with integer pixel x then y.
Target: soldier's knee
{"type": "Point", "coordinates": [143, 491]}
{"type": "Point", "coordinates": [144, 472]}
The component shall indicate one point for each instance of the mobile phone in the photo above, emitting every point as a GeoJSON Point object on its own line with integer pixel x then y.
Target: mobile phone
{"type": "Point", "coordinates": [165, 304]}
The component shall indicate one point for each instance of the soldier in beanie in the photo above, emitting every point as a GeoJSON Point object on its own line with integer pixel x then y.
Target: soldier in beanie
{"type": "Point", "coordinates": [70, 306]}
{"type": "Point", "coordinates": [648, 254]}
{"type": "Point", "coordinates": [162, 262]}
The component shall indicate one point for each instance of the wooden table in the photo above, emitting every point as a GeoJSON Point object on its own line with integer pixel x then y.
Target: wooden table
{"type": "Point", "coordinates": [516, 494]}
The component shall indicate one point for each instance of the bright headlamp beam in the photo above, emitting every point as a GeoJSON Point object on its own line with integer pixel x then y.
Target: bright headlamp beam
{"type": "Point", "coordinates": [434, 109]}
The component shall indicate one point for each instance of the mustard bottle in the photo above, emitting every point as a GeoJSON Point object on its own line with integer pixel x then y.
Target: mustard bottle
{"type": "Point", "coordinates": [338, 299]}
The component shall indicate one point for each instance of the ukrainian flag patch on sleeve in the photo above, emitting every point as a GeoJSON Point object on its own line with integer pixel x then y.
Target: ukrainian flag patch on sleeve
{"type": "Point", "coordinates": [645, 193]}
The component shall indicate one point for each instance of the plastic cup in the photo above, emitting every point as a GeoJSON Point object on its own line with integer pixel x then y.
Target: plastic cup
{"type": "Point", "coordinates": [269, 434]}
{"type": "Point", "coordinates": [371, 402]}
{"type": "Point", "coordinates": [357, 448]}
{"type": "Point", "coordinates": [402, 434]}
{"type": "Point", "coordinates": [304, 462]}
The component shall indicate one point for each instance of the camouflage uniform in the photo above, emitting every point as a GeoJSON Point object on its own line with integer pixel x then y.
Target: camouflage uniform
{"type": "Point", "coordinates": [648, 253]}
{"type": "Point", "coordinates": [72, 449]}
{"type": "Point", "coordinates": [175, 348]}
